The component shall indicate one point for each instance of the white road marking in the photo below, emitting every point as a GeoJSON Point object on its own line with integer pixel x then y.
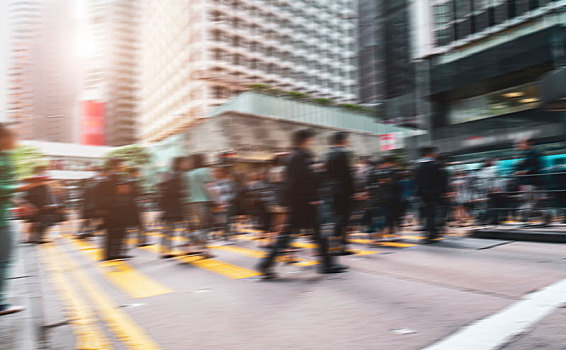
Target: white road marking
{"type": "Point", "coordinates": [500, 328]}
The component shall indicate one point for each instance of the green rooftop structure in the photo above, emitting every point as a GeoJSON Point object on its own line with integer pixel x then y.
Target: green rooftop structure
{"type": "Point", "coordinates": [306, 112]}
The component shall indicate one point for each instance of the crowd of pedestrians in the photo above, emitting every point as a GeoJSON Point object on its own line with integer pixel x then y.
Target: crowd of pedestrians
{"type": "Point", "coordinates": [327, 198]}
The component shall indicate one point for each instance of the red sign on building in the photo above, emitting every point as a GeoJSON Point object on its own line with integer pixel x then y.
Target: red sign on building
{"type": "Point", "coordinates": [92, 123]}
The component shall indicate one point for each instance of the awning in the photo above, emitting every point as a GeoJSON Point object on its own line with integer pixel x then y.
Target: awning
{"type": "Point", "coordinates": [553, 90]}
{"type": "Point", "coordinates": [70, 175]}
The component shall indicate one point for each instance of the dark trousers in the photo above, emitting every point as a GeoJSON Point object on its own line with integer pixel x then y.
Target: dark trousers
{"type": "Point", "coordinates": [430, 210]}
{"type": "Point", "coordinates": [342, 207]}
{"type": "Point", "coordinates": [114, 239]}
{"type": "Point", "coordinates": [300, 218]}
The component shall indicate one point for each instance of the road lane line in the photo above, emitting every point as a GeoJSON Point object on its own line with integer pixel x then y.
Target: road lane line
{"type": "Point", "coordinates": [88, 334]}
{"type": "Point", "coordinates": [125, 329]}
{"type": "Point", "coordinates": [500, 329]}
{"type": "Point", "coordinates": [121, 274]}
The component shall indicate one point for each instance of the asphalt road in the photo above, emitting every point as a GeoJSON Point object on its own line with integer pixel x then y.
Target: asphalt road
{"type": "Point", "coordinates": [396, 296]}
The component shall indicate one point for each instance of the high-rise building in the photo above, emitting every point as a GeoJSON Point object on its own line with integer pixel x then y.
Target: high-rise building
{"type": "Point", "coordinates": [20, 31]}
{"type": "Point", "coordinates": [386, 69]}
{"type": "Point", "coordinates": [42, 80]}
{"type": "Point", "coordinates": [110, 47]}
{"type": "Point", "coordinates": [56, 73]}
{"type": "Point", "coordinates": [196, 54]}
{"type": "Point", "coordinates": [485, 63]}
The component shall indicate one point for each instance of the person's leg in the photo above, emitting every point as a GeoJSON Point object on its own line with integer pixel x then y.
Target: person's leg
{"type": "Point", "coordinates": [429, 215]}
{"type": "Point", "coordinates": [282, 242]}
{"type": "Point", "coordinates": [120, 236]}
{"type": "Point", "coordinates": [141, 235]}
{"type": "Point", "coordinates": [165, 246]}
{"type": "Point", "coordinates": [108, 244]}
{"type": "Point", "coordinates": [6, 247]}
{"type": "Point", "coordinates": [322, 242]}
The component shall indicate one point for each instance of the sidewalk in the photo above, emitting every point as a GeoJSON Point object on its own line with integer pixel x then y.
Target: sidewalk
{"type": "Point", "coordinates": [550, 234]}
{"type": "Point", "coordinates": [21, 331]}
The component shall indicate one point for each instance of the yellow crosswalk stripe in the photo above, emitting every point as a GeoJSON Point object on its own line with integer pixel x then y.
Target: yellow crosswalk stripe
{"type": "Point", "coordinates": [258, 254]}
{"type": "Point", "coordinates": [306, 245]}
{"type": "Point", "coordinates": [384, 244]}
{"type": "Point", "coordinates": [122, 274]}
{"type": "Point", "coordinates": [216, 266]}
{"type": "Point", "coordinates": [125, 329]}
{"type": "Point", "coordinates": [81, 317]}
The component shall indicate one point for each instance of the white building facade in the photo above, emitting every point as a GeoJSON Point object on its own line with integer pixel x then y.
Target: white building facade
{"type": "Point", "coordinates": [196, 54]}
{"type": "Point", "coordinates": [111, 33]}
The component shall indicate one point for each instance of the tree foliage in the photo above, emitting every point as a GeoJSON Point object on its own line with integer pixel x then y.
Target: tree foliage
{"type": "Point", "coordinates": [134, 155]}
{"type": "Point", "coordinates": [26, 158]}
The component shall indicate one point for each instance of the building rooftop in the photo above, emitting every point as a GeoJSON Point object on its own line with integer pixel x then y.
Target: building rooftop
{"type": "Point", "coordinates": [285, 108]}
{"type": "Point", "coordinates": [69, 149]}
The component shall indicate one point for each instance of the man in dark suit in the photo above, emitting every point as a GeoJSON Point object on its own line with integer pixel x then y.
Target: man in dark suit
{"type": "Point", "coordinates": [133, 209]}
{"type": "Point", "coordinates": [431, 188]}
{"type": "Point", "coordinates": [302, 197]}
{"type": "Point", "coordinates": [114, 193]}
{"type": "Point", "coordinates": [339, 174]}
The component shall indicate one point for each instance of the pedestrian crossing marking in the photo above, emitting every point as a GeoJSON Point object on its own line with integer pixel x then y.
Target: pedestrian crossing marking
{"type": "Point", "coordinates": [258, 254]}
{"type": "Point", "coordinates": [122, 326]}
{"type": "Point", "coordinates": [384, 244]}
{"type": "Point", "coordinates": [122, 274]}
{"type": "Point", "coordinates": [306, 245]}
{"type": "Point", "coordinates": [252, 253]}
{"type": "Point", "coordinates": [216, 266]}
{"type": "Point", "coordinates": [82, 319]}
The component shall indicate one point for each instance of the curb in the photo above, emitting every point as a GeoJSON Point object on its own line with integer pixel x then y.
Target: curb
{"type": "Point", "coordinates": [21, 331]}
{"type": "Point", "coordinates": [520, 235]}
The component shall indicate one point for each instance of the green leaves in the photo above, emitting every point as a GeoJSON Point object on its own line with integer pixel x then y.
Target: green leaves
{"type": "Point", "coordinates": [134, 155]}
{"type": "Point", "coordinates": [26, 158]}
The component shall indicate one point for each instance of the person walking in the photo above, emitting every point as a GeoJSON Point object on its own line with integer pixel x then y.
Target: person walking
{"type": "Point", "coordinates": [200, 181]}
{"type": "Point", "coordinates": [8, 188]}
{"type": "Point", "coordinates": [302, 200]}
{"type": "Point", "coordinates": [430, 181]}
{"type": "Point", "coordinates": [114, 193]}
{"type": "Point", "coordinates": [171, 195]}
{"type": "Point", "coordinates": [133, 207]}
{"type": "Point", "coordinates": [40, 198]}
{"type": "Point", "coordinates": [341, 181]}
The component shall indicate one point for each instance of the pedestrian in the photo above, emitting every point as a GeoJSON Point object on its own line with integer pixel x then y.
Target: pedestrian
{"type": "Point", "coordinates": [341, 181]}
{"type": "Point", "coordinates": [133, 208]}
{"type": "Point", "coordinates": [172, 193]}
{"type": "Point", "coordinates": [40, 198]}
{"type": "Point", "coordinates": [430, 182]}
{"type": "Point", "coordinates": [200, 181]}
{"type": "Point", "coordinates": [528, 173]}
{"type": "Point", "coordinates": [8, 187]}
{"type": "Point", "coordinates": [225, 189]}
{"type": "Point", "coordinates": [113, 200]}
{"type": "Point", "coordinates": [278, 208]}
{"type": "Point", "coordinates": [302, 199]}
{"type": "Point", "coordinates": [391, 190]}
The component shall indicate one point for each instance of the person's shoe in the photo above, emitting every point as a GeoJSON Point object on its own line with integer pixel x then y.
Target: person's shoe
{"type": "Point", "coordinates": [167, 256]}
{"type": "Point", "coordinates": [144, 245]}
{"type": "Point", "coordinates": [335, 268]}
{"type": "Point", "coordinates": [207, 255]}
{"type": "Point", "coordinates": [10, 309]}
{"type": "Point", "coordinates": [125, 257]}
{"type": "Point", "coordinates": [266, 273]}
{"type": "Point", "coordinates": [344, 252]}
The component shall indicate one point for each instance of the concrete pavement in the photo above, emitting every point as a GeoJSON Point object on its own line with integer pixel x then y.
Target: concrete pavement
{"type": "Point", "coordinates": [395, 297]}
